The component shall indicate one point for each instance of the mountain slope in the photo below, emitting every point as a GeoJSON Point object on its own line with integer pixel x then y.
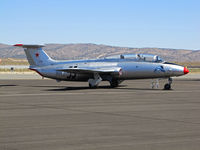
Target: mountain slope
{"type": "Point", "coordinates": [85, 51]}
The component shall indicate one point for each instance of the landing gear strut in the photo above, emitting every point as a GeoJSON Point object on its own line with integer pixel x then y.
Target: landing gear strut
{"type": "Point", "coordinates": [94, 82]}
{"type": "Point", "coordinates": [168, 85]}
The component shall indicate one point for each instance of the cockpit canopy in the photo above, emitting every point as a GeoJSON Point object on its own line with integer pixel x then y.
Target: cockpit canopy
{"type": "Point", "coordinates": [137, 57]}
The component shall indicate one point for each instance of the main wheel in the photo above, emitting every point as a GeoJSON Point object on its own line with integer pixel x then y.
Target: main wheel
{"type": "Point", "coordinates": [114, 83]}
{"type": "Point", "coordinates": [92, 87]}
{"type": "Point", "coordinates": [167, 87]}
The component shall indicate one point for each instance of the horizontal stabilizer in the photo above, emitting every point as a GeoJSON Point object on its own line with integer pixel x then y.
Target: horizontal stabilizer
{"type": "Point", "coordinates": [28, 46]}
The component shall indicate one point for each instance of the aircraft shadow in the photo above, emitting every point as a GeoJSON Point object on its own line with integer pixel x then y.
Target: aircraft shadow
{"type": "Point", "coordinates": [7, 85]}
{"type": "Point", "coordinates": [78, 88]}
{"type": "Point", "coordinates": [121, 87]}
{"type": "Point", "coordinates": [72, 88]}
{"type": "Point", "coordinates": [139, 89]}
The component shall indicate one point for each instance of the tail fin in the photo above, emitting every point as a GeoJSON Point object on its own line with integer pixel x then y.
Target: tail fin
{"type": "Point", "coordinates": [36, 56]}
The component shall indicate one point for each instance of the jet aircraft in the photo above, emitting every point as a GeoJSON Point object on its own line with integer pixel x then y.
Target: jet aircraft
{"type": "Point", "coordinates": [114, 69]}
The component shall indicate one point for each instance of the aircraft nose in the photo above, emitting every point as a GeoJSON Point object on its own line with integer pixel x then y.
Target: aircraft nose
{"type": "Point", "coordinates": [185, 70]}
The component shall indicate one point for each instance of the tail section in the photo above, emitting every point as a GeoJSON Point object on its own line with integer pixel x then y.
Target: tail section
{"type": "Point", "coordinates": [36, 56]}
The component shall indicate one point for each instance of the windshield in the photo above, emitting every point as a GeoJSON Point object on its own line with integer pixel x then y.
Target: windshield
{"type": "Point", "coordinates": [149, 57]}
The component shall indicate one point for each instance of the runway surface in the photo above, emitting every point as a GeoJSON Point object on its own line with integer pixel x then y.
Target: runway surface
{"type": "Point", "coordinates": [45, 115]}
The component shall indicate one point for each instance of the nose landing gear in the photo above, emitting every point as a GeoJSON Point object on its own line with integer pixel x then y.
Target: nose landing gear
{"type": "Point", "coordinates": [168, 85]}
{"type": "Point", "coordinates": [155, 84]}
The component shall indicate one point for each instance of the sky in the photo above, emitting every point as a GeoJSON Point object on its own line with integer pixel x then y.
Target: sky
{"type": "Point", "coordinates": [126, 23]}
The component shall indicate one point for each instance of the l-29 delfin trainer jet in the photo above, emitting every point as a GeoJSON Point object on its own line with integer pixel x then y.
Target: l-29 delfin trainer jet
{"type": "Point", "coordinates": [114, 69]}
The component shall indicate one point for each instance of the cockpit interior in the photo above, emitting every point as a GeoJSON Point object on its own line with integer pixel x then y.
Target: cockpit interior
{"type": "Point", "coordinates": [138, 57]}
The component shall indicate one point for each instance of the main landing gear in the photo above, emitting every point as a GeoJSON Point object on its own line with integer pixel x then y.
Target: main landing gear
{"type": "Point", "coordinates": [93, 83]}
{"type": "Point", "coordinates": [168, 85]}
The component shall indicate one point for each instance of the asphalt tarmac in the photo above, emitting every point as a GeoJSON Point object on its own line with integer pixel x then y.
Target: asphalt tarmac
{"type": "Point", "coordinates": [46, 115]}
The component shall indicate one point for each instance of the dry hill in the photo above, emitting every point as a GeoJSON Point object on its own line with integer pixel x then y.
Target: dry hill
{"type": "Point", "coordinates": [84, 51]}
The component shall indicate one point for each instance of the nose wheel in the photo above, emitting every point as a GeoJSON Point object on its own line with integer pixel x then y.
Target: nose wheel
{"type": "Point", "coordinates": [168, 85]}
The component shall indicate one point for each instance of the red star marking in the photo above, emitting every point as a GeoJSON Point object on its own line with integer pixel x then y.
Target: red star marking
{"type": "Point", "coordinates": [37, 54]}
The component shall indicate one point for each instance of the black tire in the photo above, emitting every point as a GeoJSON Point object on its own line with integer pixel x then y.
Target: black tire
{"type": "Point", "coordinates": [92, 87]}
{"type": "Point", "coordinates": [167, 87]}
{"type": "Point", "coordinates": [114, 83]}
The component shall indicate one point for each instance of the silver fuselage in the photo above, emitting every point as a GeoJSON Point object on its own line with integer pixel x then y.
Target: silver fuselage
{"type": "Point", "coordinates": [130, 69]}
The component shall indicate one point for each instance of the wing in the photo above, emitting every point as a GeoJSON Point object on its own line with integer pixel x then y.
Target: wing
{"type": "Point", "coordinates": [88, 70]}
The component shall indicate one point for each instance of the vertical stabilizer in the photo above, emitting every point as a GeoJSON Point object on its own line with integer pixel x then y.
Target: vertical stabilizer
{"type": "Point", "coordinates": [36, 55]}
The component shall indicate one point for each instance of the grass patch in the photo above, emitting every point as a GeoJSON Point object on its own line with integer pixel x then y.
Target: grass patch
{"type": "Point", "coordinates": [13, 61]}
{"type": "Point", "coordinates": [188, 64]}
{"type": "Point", "coordinates": [194, 70]}
{"type": "Point", "coordinates": [15, 70]}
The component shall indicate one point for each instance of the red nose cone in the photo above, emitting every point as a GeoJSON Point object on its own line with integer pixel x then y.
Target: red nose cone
{"type": "Point", "coordinates": [185, 70]}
